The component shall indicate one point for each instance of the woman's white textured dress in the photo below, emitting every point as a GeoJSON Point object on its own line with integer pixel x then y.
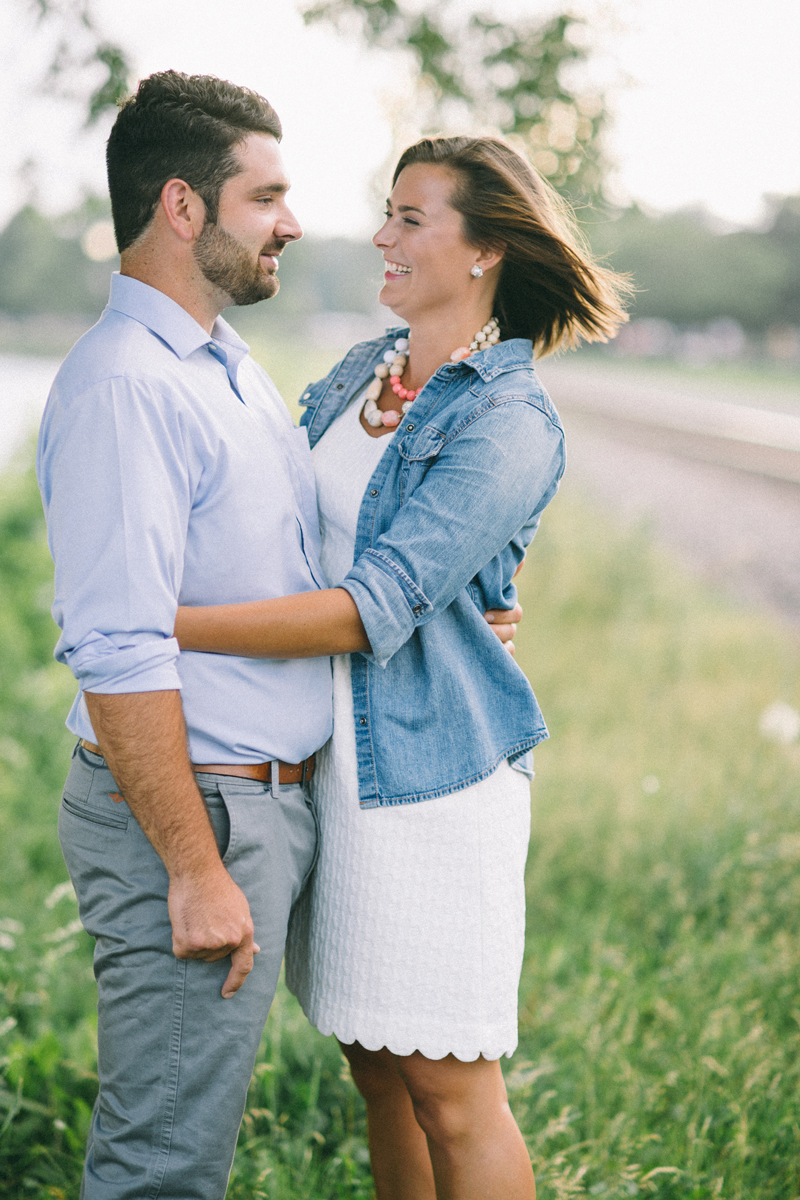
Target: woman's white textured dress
{"type": "Point", "coordinates": [411, 932]}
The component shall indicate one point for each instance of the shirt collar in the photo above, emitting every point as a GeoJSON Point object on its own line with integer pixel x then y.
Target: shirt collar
{"type": "Point", "coordinates": [168, 320]}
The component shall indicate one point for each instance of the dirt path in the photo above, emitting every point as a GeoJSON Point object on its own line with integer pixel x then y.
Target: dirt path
{"type": "Point", "coordinates": [737, 529]}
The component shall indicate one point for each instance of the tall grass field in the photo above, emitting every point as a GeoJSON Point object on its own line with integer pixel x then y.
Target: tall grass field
{"type": "Point", "coordinates": [659, 1006]}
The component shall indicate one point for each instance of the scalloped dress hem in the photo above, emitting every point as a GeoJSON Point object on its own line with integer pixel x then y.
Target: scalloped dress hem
{"type": "Point", "coordinates": [413, 1045]}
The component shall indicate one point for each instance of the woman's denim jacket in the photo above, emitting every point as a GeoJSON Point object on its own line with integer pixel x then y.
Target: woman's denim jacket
{"type": "Point", "coordinates": [444, 523]}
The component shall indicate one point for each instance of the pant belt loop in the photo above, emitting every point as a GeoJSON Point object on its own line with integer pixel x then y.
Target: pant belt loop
{"type": "Point", "coordinates": [303, 773]}
{"type": "Point", "coordinates": [275, 779]}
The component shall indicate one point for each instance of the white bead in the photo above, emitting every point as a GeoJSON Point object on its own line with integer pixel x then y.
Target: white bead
{"type": "Point", "coordinates": [389, 356]}
{"type": "Point", "coordinates": [406, 406]}
{"type": "Point", "coordinates": [374, 390]}
{"type": "Point", "coordinates": [401, 344]}
{"type": "Point", "coordinates": [382, 370]}
{"type": "Point", "coordinates": [398, 366]}
{"type": "Point", "coordinates": [374, 418]}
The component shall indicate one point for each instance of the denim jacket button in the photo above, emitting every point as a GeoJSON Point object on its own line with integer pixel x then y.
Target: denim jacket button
{"type": "Point", "coordinates": [373, 491]}
{"type": "Point", "coordinates": [307, 396]}
{"type": "Point", "coordinates": [362, 721]}
{"type": "Point", "coordinates": [339, 387]}
{"type": "Point", "coordinates": [410, 428]}
{"type": "Point", "coordinates": [417, 609]}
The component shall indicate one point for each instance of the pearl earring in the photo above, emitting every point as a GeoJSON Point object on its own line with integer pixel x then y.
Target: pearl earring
{"type": "Point", "coordinates": [476, 271]}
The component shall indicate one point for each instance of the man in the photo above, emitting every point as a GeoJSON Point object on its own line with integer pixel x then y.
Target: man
{"type": "Point", "coordinates": [169, 470]}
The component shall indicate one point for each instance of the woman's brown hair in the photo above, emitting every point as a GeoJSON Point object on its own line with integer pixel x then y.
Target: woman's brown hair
{"type": "Point", "coordinates": [551, 290]}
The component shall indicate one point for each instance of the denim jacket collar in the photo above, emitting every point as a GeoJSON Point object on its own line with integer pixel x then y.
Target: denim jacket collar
{"type": "Point", "coordinates": [505, 356]}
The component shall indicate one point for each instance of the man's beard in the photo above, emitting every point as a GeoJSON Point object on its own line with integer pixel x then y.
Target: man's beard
{"type": "Point", "coordinates": [229, 265]}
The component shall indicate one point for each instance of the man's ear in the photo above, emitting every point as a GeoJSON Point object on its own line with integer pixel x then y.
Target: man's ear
{"type": "Point", "coordinates": [183, 209]}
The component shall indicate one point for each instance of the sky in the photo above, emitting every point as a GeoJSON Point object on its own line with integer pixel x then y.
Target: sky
{"type": "Point", "coordinates": [705, 96]}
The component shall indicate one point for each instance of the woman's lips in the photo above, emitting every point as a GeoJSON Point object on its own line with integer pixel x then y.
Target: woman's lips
{"type": "Point", "coordinates": [391, 271]}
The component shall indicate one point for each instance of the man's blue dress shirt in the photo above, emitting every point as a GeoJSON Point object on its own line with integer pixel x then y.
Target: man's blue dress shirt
{"type": "Point", "coordinates": [171, 473]}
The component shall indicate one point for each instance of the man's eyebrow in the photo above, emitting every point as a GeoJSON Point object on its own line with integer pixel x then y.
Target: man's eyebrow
{"type": "Point", "coordinates": [410, 208]}
{"type": "Point", "coordinates": [277, 188]}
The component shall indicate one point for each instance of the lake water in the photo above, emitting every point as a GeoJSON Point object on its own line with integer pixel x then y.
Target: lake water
{"type": "Point", "coordinates": [24, 383]}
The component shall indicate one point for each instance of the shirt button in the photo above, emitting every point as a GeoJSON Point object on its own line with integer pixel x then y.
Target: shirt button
{"type": "Point", "coordinates": [307, 396]}
{"type": "Point", "coordinates": [373, 492]}
{"type": "Point", "coordinates": [339, 387]}
{"type": "Point", "coordinates": [410, 428]}
{"type": "Point", "coordinates": [417, 609]}
{"type": "Point", "coordinates": [363, 721]}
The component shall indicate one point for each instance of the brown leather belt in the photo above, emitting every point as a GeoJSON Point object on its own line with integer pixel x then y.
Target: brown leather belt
{"type": "Point", "coordinates": [287, 772]}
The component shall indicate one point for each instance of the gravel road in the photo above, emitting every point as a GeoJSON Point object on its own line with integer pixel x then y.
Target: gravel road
{"type": "Point", "coordinates": [738, 529]}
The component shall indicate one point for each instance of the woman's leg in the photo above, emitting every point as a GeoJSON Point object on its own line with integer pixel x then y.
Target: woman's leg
{"type": "Point", "coordinates": [401, 1164]}
{"type": "Point", "coordinates": [476, 1149]}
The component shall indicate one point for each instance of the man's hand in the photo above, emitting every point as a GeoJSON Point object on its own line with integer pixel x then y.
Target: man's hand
{"type": "Point", "coordinates": [143, 738]}
{"type": "Point", "coordinates": [211, 919]}
{"type": "Point", "coordinates": [504, 623]}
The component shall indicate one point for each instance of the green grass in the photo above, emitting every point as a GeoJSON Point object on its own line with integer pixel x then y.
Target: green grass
{"type": "Point", "coordinates": [292, 365]}
{"type": "Point", "coordinates": [659, 1002]}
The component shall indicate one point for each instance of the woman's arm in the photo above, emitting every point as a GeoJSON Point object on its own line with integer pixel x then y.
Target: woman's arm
{"type": "Point", "coordinates": [305, 625]}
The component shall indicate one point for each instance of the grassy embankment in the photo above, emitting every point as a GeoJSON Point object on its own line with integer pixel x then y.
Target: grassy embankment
{"type": "Point", "coordinates": [659, 1017]}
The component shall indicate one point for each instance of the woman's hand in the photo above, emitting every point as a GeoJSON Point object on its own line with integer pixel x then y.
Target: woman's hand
{"type": "Point", "coordinates": [504, 623]}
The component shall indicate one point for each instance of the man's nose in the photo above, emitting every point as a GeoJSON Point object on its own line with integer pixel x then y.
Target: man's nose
{"type": "Point", "coordinates": [288, 228]}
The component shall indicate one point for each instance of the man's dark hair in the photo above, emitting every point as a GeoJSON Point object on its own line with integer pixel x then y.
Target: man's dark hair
{"type": "Point", "coordinates": [178, 127]}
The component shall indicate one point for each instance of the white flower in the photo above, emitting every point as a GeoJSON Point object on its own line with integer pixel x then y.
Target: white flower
{"type": "Point", "coordinates": [780, 722]}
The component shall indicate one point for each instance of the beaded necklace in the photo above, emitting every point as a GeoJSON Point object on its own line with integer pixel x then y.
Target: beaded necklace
{"type": "Point", "coordinates": [394, 364]}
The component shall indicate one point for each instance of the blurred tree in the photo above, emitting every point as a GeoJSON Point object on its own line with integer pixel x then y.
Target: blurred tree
{"type": "Point", "coordinates": [783, 234]}
{"type": "Point", "coordinates": [522, 78]}
{"type": "Point", "coordinates": [44, 264]}
{"type": "Point", "coordinates": [84, 66]}
{"type": "Point", "coordinates": [689, 273]}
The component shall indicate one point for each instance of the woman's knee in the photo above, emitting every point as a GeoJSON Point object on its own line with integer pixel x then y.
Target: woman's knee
{"type": "Point", "coordinates": [451, 1099]}
{"type": "Point", "coordinates": [374, 1071]}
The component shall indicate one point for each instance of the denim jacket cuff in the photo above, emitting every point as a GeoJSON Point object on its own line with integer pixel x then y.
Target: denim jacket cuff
{"type": "Point", "coordinates": [389, 602]}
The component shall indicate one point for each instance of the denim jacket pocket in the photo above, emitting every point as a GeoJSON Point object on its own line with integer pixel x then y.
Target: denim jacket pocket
{"type": "Point", "coordinates": [422, 444]}
{"type": "Point", "coordinates": [418, 451]}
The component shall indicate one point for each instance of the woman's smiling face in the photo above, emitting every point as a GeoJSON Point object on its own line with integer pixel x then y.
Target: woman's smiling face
{"type": "Point", "coordinates": [428, 259]}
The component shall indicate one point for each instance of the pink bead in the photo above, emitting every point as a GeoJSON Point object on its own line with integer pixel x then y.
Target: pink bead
{"type": "Point", "coordinates": [402, 393]}
{"type": "Point", "coordinates": [394, 380]}
{"type": "Point", "coordinates": [391, 418]}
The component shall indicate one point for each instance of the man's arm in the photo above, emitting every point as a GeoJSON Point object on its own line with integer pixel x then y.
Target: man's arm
{"type": "Point", "coordinates": [143, 739]}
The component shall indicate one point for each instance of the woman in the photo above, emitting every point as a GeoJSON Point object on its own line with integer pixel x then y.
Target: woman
{"type": "Point", "coordinates": [435, 451]}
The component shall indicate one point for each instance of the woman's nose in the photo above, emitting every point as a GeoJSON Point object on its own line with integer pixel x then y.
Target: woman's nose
{"type": "Point", "coordinates": [383, 237]}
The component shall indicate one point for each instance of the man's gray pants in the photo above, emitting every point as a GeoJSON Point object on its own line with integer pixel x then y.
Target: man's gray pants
{"type": "Point", "coordinates": [174, 1058]}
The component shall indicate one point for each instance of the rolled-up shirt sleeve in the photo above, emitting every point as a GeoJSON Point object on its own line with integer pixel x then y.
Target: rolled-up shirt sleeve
{"type": "Point", "coordinates": [116, 487]}
{"type": "Point", "coordinates": [487, 484]}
